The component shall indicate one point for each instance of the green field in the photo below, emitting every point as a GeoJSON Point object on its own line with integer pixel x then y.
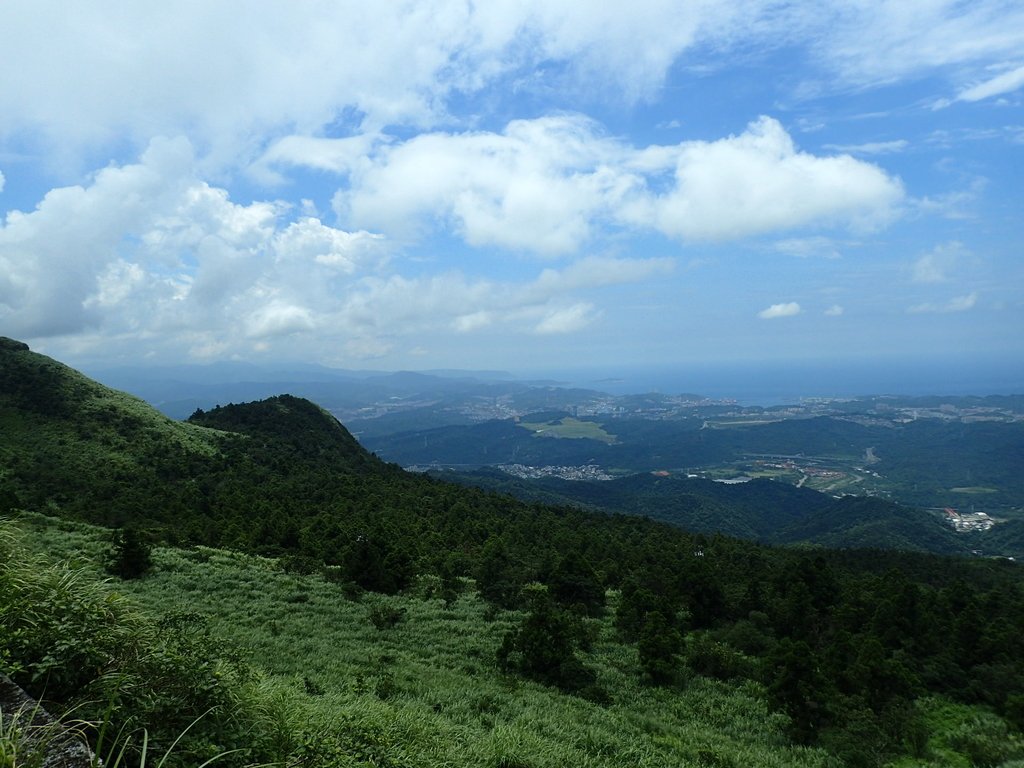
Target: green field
{"type": "Point", "coordinates": [569, 428]}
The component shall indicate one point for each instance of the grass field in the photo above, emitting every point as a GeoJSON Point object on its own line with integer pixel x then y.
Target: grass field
{"type": "Point", "coordinates": [569, 428]}
{"type": "Point", "coordinates": [428, 692]}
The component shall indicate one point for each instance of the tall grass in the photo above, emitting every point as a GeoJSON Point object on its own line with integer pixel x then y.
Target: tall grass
{"type": "Point", "coordinates": [340, 687]}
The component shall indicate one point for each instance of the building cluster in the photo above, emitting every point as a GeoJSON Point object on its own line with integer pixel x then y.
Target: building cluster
{"type": "Point", "coordinates": [584, 472]}
{"type": "Point", "coordinates": [966, 522]}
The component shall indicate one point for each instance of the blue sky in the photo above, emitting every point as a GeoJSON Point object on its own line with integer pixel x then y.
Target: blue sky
{"type": "Point", "coordinates": [512, 185]}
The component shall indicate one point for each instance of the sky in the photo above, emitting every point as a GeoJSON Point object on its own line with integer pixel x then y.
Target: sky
{"type": "Point", "coordinates": [513, 185]}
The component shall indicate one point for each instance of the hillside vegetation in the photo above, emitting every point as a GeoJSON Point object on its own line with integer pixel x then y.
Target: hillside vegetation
{"type": "Point", "coordinates": [416, 622]}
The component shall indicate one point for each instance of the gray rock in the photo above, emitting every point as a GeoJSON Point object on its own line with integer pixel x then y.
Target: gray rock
{"type": "Point", "coordinates": [40, 734]}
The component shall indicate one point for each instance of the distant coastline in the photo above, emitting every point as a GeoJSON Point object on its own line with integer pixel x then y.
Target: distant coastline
{"type": "Point", "coordinates": [751, 383]}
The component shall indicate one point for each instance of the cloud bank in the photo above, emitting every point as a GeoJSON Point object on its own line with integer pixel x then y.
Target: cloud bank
{"type": "Point", "coordinates": [546, 185]}
{"type": "Point", "coordinates": [150, 250]}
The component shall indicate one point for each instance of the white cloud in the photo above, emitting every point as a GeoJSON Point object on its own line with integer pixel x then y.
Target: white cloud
{"type": "Point", "coordinates": [759, 182]}
{"type": "Point", "coordinates": [397, 305]}
{"type": "Point", "coordinates": [237, 81]}
{"type": "Point", "coordinates": [956, 304]}
{"type": "Point", "coordinates": [149, 248]}
{"type": "Point", "coordinates": [536, 186]}
{"type": "Point", "coordinates": [566, 319]}
{"type": "Point", "coordinates": [547, 185]}
{"type": "Point", "coordinates": [149, 251]}
{"type": "Point", "coordinates": [339, 156]}
{"type": "Point", "coordinates": [310, 240]}
{"type": "Point", "coordinates": [834, 311]}
{"type": "Point", "coordinates": [876, 42]}
{"type": "Point", "coordinates": [788, 309]}
{"type": "Point", "coordinates": [1007, 82]}
{"type": "Point", "coordinates": [279, 319]}
{"type": "Point", "coordinates": [1, 181]}
{"type": "Point", "coordinates": [935, 266]}
{"type": "Point", "coordinates": [808, 247]}
{"type": "Point", "coordinates": [871, 147]}
{"type": "Point", "coordinates": [277, 81]}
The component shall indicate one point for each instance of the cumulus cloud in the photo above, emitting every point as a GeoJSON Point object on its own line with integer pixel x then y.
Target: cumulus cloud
{"type": "Point", "coordinates": [1, 181]}
{"type": "Point", "coordinates": [150, 246]}
{"type": "Point", "coordinates": [149, 250]}
{"type": "Point", "coordinates": [537, 186]}
{"type": "Point", "coordinates": [759, 182]}
{"type": "Point", "coordinates": [787, 309]}
{"type": "Point", "coordinates": [547, 185]}
{"type": "Point", "coordinates": [834, 311]}
{"type": "Point", "coordinates": [956, 304]}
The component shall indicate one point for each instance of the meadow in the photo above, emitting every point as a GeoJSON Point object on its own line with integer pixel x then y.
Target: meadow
{"type": "Point", "coordinates": [348, 678]}
{"type": "Point", "coordinates": [427, 690]}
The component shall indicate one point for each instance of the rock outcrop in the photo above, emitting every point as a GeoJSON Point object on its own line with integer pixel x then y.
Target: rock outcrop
{"type": "Point", "coordinates": [37, 733]}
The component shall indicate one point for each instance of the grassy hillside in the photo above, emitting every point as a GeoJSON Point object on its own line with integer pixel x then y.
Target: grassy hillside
{"type": "Point", "coordinates": [341, 687]}
{"type": "Point", "coordinates": [74, 444]}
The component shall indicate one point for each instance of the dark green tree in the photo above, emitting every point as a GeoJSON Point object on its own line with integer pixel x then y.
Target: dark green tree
{"type": "Point", "coordinates": [130, 554]}
{"type": "Point", "coordinates": [659, 646]}
{"type": "Point", "coordinates": [575, 584]}
{"type": "Point", "coordinates": [544, 646]}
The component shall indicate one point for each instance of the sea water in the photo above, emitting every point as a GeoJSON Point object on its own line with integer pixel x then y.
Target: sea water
{"type": "Point", "coordinates": [773, 383]}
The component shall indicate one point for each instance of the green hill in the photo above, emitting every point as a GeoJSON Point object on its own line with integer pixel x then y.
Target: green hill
{"type": "Point", "coordinates": [80, 447]}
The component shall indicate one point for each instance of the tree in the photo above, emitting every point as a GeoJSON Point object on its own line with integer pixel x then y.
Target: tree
{"type": "Point", "coordinates": [659, 646]}
{"type": "Point", "coordinates": [575, 584]}
{"type": "Point", "coordinates": [130, 555]}
{"type": "Point", "coordinates": [543, 647]}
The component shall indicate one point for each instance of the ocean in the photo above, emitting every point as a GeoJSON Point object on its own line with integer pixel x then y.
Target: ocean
{"type": "Point", "coordinates": [778, 383]}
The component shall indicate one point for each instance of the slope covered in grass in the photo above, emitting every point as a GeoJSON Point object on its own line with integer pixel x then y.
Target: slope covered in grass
{"type": "Point", "coordinates": [592, 613]}
{"type": "Point", "coordinates": [428, 691]}
{"type": "Point", "coordinates": [340, 687]}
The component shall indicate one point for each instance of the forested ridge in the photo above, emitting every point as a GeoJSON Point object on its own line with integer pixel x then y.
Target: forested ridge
{"type": "Point", "coordinates": [844, 642]}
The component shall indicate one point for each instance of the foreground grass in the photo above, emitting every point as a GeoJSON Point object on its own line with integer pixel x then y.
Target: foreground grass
{"type": "Point", "coordinates": [427, 692]}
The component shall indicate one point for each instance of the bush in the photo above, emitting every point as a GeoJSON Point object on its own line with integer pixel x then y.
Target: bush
{"type": "Point", "coordinates": [384, 616]}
